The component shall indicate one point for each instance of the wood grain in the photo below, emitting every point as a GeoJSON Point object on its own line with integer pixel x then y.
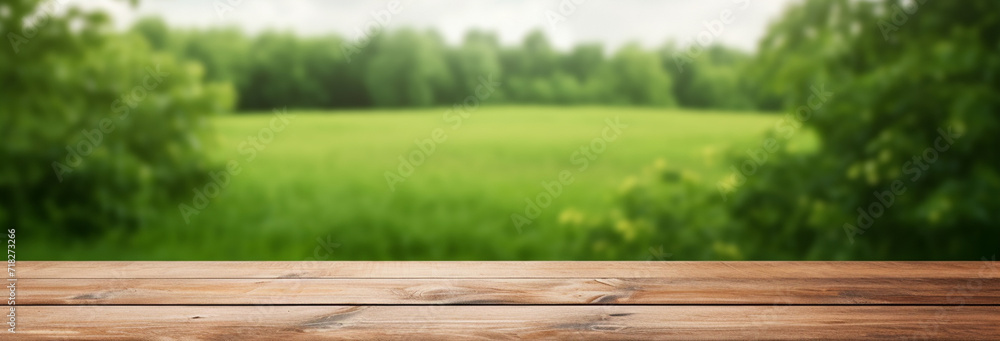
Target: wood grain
{"type": "Point", "coordinates": [508, 322]}
{"type": "Point", "coordinates": [544, 269]}
{"type": "Point", "coordinates": [507, 300]}
{"type": "Point", "coordinates": [953, 291]}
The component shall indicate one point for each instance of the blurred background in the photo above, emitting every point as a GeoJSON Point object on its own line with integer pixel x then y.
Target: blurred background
{"type": "Point", "coordinates": [519, 130]}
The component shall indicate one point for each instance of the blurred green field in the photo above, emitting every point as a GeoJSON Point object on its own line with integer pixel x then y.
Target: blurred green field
{"type": "Point", "coordinates": [318, 192]}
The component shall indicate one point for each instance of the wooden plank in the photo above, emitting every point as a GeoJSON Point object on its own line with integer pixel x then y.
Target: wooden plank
{"type": "Point", "coordinates": [946, 291]}
{"type": "Point", "coordinates": [506, 322]}
{"type": "Point", "coordinates": [490, 300]}
{"type": "Point", "coordinates": [844, 271]}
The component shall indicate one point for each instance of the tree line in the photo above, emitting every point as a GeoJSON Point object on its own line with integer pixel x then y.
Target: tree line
{"type": "Point", "coordinates": [412, 68]}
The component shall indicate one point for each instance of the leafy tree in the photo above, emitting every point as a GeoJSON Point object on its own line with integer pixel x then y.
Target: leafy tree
{"type": "Point", "coordinates": [98, 129]}
{"type": "Point", "coordinates": [274, 73]}
{"type": "Point", "coordinates": [584, 61]}
{"type": "Point", "coordinates": [715, 78]}
{"type": "Point", "coordinates": [905, 167]}
{"type": "Point", "coordinates": [477, 57]}
{"type": "Point", "coordinates": [636, 77]}
{"type": "Point", "coordinates": [539, 58]}
{"type": "Point", "coordinates": [334, 81]}
{"type": "Point", "coordinates": [898, 95]}
{"type": "Point", "coordinates": [156, 32]}
{"type": "Point", "coordinates": [407, 70]}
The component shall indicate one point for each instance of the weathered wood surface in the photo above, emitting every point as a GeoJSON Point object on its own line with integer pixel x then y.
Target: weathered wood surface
{"type": "Point", "coordinates": [541, 269]}
{"type": "Point", "coordinates": [491, 300]}
{"type": "Point", "coordinates": [504, 291]}
{"type": "Point", "coordinates": [506, 322]}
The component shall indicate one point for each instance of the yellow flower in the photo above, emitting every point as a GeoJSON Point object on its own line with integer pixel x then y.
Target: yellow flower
{"type": "Point", "coordinates": [628, 184]}
{"type": "Point", "coordinates": [626, 228]}
{"type": "Point", "coordinates": [727, 250]}
{"type": "Point", "coordinates": [571, 216]}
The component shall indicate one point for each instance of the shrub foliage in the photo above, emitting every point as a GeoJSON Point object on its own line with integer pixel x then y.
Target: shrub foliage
{"type": "Point", "coordinates": [98, 130]}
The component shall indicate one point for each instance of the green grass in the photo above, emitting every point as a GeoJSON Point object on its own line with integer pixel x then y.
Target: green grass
{"type": "Point", "coordinates": [322, 179]}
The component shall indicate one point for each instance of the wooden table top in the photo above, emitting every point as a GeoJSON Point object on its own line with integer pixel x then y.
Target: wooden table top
{"type": "Point", "coordinates": [506, 300]}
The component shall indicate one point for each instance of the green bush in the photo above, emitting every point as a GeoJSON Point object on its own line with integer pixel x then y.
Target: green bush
{"type": "Point", "coordinates": [914, 108]}
{"type": "Point", "coordinates": [98, 130]}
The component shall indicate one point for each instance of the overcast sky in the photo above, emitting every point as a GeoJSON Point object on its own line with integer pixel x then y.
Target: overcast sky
{"type": "Point", "coordinates": [613, 23]}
